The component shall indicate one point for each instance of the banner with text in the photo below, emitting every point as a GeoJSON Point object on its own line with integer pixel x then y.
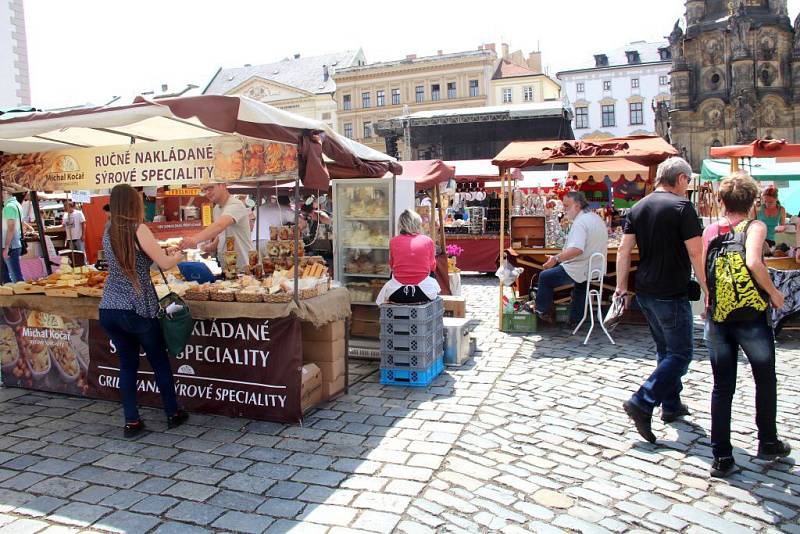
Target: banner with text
{"type": "Point", "coordinates": [154, 164]}
{"type": "Point", "coordinates": [234, 367]}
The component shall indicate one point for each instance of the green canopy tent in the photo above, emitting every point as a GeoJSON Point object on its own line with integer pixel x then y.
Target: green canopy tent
{"type": "Point", "coordinates": [762, 169]}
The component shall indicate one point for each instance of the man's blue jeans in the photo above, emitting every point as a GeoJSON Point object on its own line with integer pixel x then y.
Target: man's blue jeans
{"type": "Point", "coordinates": [550, 279]}
{"type": "Point", "coordinates": [670, 322]}
{"type": "Point", "coordinates": [12, 266]}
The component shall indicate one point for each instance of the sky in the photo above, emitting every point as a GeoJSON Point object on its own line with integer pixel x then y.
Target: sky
{"type": "Point", "coordinates": [88, 51]}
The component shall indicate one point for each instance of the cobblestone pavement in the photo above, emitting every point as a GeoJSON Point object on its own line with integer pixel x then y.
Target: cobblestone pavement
{"type": "Point", "coordinates": [527, 437]}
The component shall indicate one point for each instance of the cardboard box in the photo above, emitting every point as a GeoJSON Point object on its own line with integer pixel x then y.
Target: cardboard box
{"type": "Point", "coordinates": [331, 370]}
{"type": "Point", "coordinates": [329, 332]}
{"type": "Point", "coordinates": [323, 351]}
{"type": "Point", "coordinates": [364, 328]}
{"type": "Point", "coordinates": [365, 313]}
{"type": "Point", "coordinates": [310, 387]}
{"type": "Point", "coordinates": [332, 388]}
{"type": "Point", "coordinates": [454, 306]}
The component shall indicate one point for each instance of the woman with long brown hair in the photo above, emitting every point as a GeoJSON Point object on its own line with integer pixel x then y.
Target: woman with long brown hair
{"type": "Point", "coordinates": [129, 305]}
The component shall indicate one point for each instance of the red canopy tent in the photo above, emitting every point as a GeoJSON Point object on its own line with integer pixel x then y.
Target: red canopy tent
{"type": "Point", "coordinates": [760, 148]}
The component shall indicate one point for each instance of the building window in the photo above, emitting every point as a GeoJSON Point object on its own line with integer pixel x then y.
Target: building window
{"type": "Point", "coordinates": [606, 85]}
{"type": "Point", "coordinates": [380, 99]}
{"type": "Point", "coordinates": [636, 113]}
{"type": "Point", "coordinates": [608, 116]}
{"type": "Point", "coordinates": [663, 80]}
{"type": "Point", "coordinates": [347, 104]}
{"type": "Point", "coordinates": [473, 88]}
{"type": "Point", "coordinates": [580, 87]}
{"type": "Point", "coordinates": [507, 96]}
{"type": "Point", "coordinates": [365, 100]}
{"type": "Point", "coordinates": [527, 94]}
{"type": "Point", "coordinates": [420, 93]}
{"type": "Point", "coordinates": [634, 83]}
{"type": "Point", "coordinates": [435, 94]}
{"type": "Point", "coordinates": [395, 97]}
{"type": "Point", "coordinates": [367, 129]}
{"type": "Point", "coordinates": [451, 89]}
{"type": "Point", "coordinates": [581, 117]}
{"type": "Point", "coordinates": [348, 130]}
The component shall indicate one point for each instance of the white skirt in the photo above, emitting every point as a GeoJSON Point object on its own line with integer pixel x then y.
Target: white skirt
{"type": "Point", "coordinates": [429, 286]}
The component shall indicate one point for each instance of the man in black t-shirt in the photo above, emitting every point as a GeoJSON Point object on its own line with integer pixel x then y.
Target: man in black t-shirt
{"type": "Point", "coordinates": [666, 229]}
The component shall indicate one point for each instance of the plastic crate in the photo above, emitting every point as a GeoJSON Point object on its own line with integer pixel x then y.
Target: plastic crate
{"type": "Point", "coordinates": [412, 377]}
{"type": "Point", "coordinates": [408, 343]}
{"type": "Point", "coordinates": [409, 360]}
{"type": "Point", "coordinates": [417, 312]}
{"type": "Point", "coordinates": [519, 322]}
{"type": "Point", "coordinates": [562, 313]}
{"type": "Point", "coordinates": [411, 327]}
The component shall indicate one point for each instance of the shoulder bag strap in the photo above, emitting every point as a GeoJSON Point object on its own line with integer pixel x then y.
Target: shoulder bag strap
{"type": "Point", "coordinates": [139, 246]}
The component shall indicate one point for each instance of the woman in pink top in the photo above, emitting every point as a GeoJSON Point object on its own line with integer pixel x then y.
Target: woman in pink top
{"type": "Point", "coordinates": [412, 258]}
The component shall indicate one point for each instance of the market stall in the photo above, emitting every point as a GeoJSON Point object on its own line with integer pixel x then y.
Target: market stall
{"type": "Point", "coordinates": [625, 164]}
{"type": "Point", "coordinates": [246, 355]}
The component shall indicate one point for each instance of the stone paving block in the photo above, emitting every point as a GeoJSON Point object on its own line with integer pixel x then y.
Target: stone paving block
{"type": "Point", "coordinates": [122, 521]}
{"type": "Point", "coordinates": [284, 526]}
{"type": "Point", "coordinates": [196, 458]}
{"type": "Point", "coordinates": [57, 487]}
{"type": "Point", "coordinates": [251, 484]}
{"type": "Point", "coordinates": [191, 491]}
{"type": "Point", "coordinates": [328, 514]}
{"type": "Point", "coordinates": [262, 454]}
{"type": "Point", "coordinates": [242, 522]}
{"type": "Point", "coordinates": [286, 490]}
{"type": "Point", "coordinates": [237, 500]}
{"type": "Point", "coordinates": [123, 499]}
{"type": "Point", "coordinates": [154, 504]}
{"type": "Point", "coordinates": [326, 495]}
{"type": "Point", "coordinates": [317, 476]}
{"type": "Point", "coordinates": [22, 481]}
{"type": "Point", "coordinates": [194, 512]}
{"type": "Point", "coordinates": [40, 506]}
{"type": "Point", "coordinates": [109, 477]}
{"type": "Point", "coordinates": [171, 527]}
{"type": "Point", "coordinates": [79, 514]}
{"type": "Point", "coordinates": [202, 475]}
{"type": "Point", "coordinates": [153, 485]}
{"type": "Point", "coordinates": [288, 509]}
{"type": "Point", "coordinates": [23, 526]}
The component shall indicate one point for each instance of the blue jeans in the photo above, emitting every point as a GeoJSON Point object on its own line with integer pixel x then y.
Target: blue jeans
{"type": "Point", "coordinates": [670, 322]}
{"type": "Point", "coordinates": [129, 332]}
{"type": "Point", "coordinates": [755, 338]}
{"type": "Point", "coordinates": [13, 269]}
{"type": "Point", "coordinates": [550, 279]}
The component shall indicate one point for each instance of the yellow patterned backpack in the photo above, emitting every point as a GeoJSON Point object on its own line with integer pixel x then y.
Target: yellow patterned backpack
{"type": "Point", "coordinates": [735, 296]}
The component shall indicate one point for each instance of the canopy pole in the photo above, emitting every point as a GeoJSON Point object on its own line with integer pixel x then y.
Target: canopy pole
{"type": "Point", "coordinates": [503, 176]}
{"type": "Point", "coordinates": [258, 231]}
{"type": "Point", "coordinates": [297, 240]}
{"type": "Point", "coordinates": [432, 214]}
{"type": "Point", "coordinates": [37, 215]}
{"type": "Point", "coordinates": [440, 212]}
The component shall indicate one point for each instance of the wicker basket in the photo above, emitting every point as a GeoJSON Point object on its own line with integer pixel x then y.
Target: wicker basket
{"type": "Point", "coordinates": [249, 297]}
{"type": "Point", "coordinates": [309, 293]}
{"type": "Point", "coordinates": [195, 295]}
{"type": "Point", "coordinates": [222, 296]}
{"type": "Point", "coordinates": [278, 298]}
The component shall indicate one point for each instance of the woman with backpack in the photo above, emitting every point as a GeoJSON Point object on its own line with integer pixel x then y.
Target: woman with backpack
{"type": "Point", "coordinates": [738, 317]}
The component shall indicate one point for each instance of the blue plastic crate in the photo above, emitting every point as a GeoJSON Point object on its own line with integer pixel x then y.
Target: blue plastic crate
{"type": "Point", "coordinates": [418, 312]}
{"type": "Point", "coordinates": [409, 360]}
{"type": "Point", "coordinates": [412, 377]}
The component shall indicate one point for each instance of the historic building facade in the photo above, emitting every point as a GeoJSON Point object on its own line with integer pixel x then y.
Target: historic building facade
{"type": "Point", "coordinates": [735, 76]}
{"type": "Point", "coordinates": [369, 94]}
{"type": "Point", "coordinates": [15, 86]}
{"type": "Point", "coordinates": [520, 80]}
{"type": "Point", "coordinates": [302, 85]}
{"type": "Point", "coordinates": [617, 93]}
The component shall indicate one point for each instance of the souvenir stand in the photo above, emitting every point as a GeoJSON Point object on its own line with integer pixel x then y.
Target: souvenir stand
{"type": "Point", "coordinates": [784, 271]}
{"type": "Point", "coordinates": [245, 357]}
{"type": "Point", "coordinates": [618, 159]}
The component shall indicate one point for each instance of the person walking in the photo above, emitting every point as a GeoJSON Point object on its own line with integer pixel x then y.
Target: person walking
{"type": "Point", "coordinates": [749, 329]}
{"type": "Point", "coordinates": [12, 237]}
{"type": "Point", "coordinates": [129, 305]}
{"type": "Point", "coordinates": [665, 227]}
{"type": "Point", "coordinates": [588, 235]}
{"type": "Point", "coordinates": [74, 225]}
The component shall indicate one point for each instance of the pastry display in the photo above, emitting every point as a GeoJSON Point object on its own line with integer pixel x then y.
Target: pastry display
{"type": "Point", "coordinates": [66, 360]}
{"type": "Point", "coordinates": [362, 234]}
{"type": "Point", "coordinates": [367, 262]}
{"type": "Point", "coordinates": [369, 202]}
{"type": "Point", "coordinates": [9, 350]}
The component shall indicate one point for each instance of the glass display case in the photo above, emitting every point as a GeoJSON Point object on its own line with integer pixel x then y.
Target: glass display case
{"type": "Point", "coordinates": [364, 216]}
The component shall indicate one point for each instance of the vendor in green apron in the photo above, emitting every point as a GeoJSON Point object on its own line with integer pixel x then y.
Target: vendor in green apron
{"type": "Point", "coordinates": [772, 214]}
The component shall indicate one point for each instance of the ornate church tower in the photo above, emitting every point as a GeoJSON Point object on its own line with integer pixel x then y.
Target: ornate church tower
{"type": "Point", "coordinates": [735, 75]}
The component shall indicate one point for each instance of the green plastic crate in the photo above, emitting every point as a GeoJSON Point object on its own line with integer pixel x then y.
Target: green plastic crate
{"type": "Point", "coordinates": [562, 313]}
{"type": "Point", "coordinates": [519, 322]}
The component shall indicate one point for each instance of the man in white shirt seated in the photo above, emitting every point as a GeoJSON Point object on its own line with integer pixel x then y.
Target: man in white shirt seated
{"type": "Point", "coordinates": [587, 236]}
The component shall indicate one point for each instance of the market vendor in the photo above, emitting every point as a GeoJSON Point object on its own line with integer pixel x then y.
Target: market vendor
{"type": "Point", "coordinates": [587, 236]}
{"type": "Point", "coordinates": [412, 258]}
{"type": "Point", "coordinates": [772, 214]}
{"type": "Point", "coordinates": [231, 221]}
